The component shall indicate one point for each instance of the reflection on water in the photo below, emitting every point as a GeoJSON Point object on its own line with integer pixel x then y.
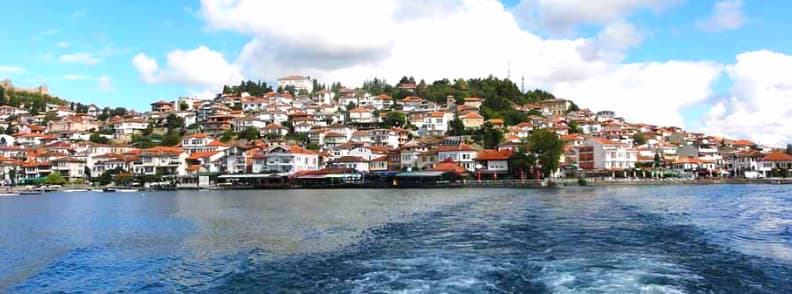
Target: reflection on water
{"type": "Point", "coordinates": [585, 239]}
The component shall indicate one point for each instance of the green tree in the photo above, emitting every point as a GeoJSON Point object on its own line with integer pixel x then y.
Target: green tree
{"type": "Point", "coordinates": [99, 139]}
{"type": "Point", "coordinates": [54, 179]}
{"type": "Point", "coordinates": [789, 149]}
{"type": "Point", "coordinates": [456, 127]}
{"type": "Point", "coordinates": [547, 147]}
{"type": "Point", "coordinates": [639, 139]}
{"type": "Point", "coordinates": [172, 121]}
{"type": "Point", "coordinates": [183, 106]}
{"type": "Point", "coordinates": [489, 136]}
{"type": "Point", "coordinates": [394, 119]}
{"type": "Point", "coordinates": [574, 127]}
{"type": "Point", "coordinates": [171, 138]}
{"type": "Point", "coordinates": [250, 133]}
{"type": "Point", "coordinates": [521, 164]}
{"type": "Point", "coordinates": [227, 136]}
{"type": "Point", "coordinates": [49, 116]}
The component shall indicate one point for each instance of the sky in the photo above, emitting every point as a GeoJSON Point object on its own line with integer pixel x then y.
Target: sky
{"type": "Point", "coordinates": [720, 67]}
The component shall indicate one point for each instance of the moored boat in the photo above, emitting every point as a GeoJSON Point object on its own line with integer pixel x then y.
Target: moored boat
{"type": "Point", "coordinates": [9, 194]}
{"type": "Point", "coordinates": [75, 190]}
{"type": "Point", "coordinates": [126, 190]}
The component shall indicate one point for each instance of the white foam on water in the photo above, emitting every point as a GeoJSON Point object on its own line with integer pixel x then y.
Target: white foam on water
{"type": "Point", "coordinates": [612, 274]}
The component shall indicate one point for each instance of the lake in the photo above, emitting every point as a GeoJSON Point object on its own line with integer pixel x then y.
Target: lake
{"type": "Point", "coordinates": [618, 239]}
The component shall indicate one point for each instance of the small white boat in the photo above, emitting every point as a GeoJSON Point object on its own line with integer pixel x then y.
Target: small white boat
{"type": "Point", "coordinates": [75, 190]}
{"type": "Point", "coordinates": [126, 190]}
{"type": "Point", "coordinates": [9, 194]}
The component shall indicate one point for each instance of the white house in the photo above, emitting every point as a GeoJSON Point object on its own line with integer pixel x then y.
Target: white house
{"type": "Point", "coordinates": [611, 155]}
{"type": "Point", "coordinates": [461, 154]}
{"type": "Point", "coordinates": [296, 81]}
{"type": "Point", "coordinates": [285, 159]}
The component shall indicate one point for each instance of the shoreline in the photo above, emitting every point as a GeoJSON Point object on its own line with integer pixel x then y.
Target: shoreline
{"type": "Point", "coordinates": [501, 184]}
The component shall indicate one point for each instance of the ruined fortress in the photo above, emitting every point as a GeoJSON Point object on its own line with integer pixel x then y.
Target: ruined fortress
{"type": "Point", "coordinates": [41, 90]}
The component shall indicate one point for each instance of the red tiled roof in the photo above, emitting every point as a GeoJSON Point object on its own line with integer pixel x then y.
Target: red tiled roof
{"type": "Point", "coordinates": [205, 154]}
{"type": "Point", "coordinates": [449, 165]}
{"type": "Point", "coordinates": [493, 155]}
{"type": "Point", "coordinates": [777, 157]}
{"type": "Point", "coordinates": [460, 147]}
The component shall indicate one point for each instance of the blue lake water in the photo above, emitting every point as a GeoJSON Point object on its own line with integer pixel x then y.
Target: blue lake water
{"type": "Point", "coordinates": [658, 239]}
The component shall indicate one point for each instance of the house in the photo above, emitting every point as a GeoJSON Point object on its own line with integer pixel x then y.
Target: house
{"type": "Point", "coordinates": [111, 161]}
{"type": "Point", "coordinates": [556, 106]}
{"type": "Point", "coordinates": [379, 164]}
{"type": "Point", "coordinates": [71, 124]}
{"type": "Point", "coordinates": [473, 102]}
{"type": "Point", "coordinates": [296, 81]}
{"type": "Point", "coordinates": [435, 123]}
{"type": "Point", "coordinates": [776, 164]}
{"type": "Point", "coordinates": [472, 120]}
{"type": "Point", "coordinates": [161, 160]}
{"type": "Point", "coordinates": [493, 162]}
{"type": "Point", "coordinates": [361, 115]}
{"type": "Point", "coordinates": [239, 124]}
{"type": "Point", "coordinates": [382, 101]}
{"type": "Point", "coordinates": [607, 155]}
{"type": "Point", "coordinates": [161, 106]}
{"type": "Point", "coordinates": [287, 159]}
{"type": "Point", "coordinates": [201, 142]}
{"type": "Point", "coordinates": [70, 168]}
{"type": "Point", "coordinates": [126, 127]}
{"type": "Point", "coordinates": [354, 162]}
{"type": "Point", "coordinates": [208, 161]}
{"type": "Point", "coordinates": [462, 154]}
{"type": "Point", "coordinates": [745, 161]}
{"type": "Point", "coordinates": [274, 130]}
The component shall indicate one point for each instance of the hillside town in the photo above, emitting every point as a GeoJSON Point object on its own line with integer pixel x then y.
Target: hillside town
{"type": "Point", "coordinates": [297, 133]}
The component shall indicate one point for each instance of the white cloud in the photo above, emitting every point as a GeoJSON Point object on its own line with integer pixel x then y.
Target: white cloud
{"type": "Point", "coordinates": [612, 42]}
{"type": "Point", "coordinates": [49, 32]}
{"type": "Point", "coordinates": [726, 15]}
{"type": "Point", "coordinates": [62, 44]}
{"type": "Point", "coordinates": [197, 67]}
{"type": "Point", "coordinates": [645, 92]}
{"type": "Point", "coordinates": [80, 57]}
{"type": "Point", "coordinates": [351, 42]}
{"type": "Point", "coordinates": [563, 16]}
{"type": "Point", "coordinates": [7, 69]}
{"type": "Point", "coordinates": [75, 77]}
{"type": "Point", "coordinates": [760, 103]}
{"type": "Point", "coordinates": [105, 83]}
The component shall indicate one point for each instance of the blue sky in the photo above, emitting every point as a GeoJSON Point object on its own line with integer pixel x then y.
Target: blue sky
{"type": "Point", "coordinates": [84, 50]}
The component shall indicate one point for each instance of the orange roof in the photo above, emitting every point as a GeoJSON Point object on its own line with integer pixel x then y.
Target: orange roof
{"type": "Point", "coordinates": [216, 143]}
{"type": "Point", "coordinates": [205, 154]}
{"type": "Point", "coordinates": [197, 135]}
{"type": "Point", "coordinates": [690, 160]}
{"type": "Point", "coordinates": [449, 165]}
{"type": "Point", "coordinates": [436, 114]}
{"type": "Point", "coordinates": [472, 99]}
{"type": "Point", "coordinates": [472, 115]}
{"type": "Point", "coordinates": [383, 97]}
{"type": "Point", "coordinates": [496, 121]}
{"type": "Point", "coordinates": [742, 143]}
{"type": "Point", "coordinates": [493, 155]}
{"type": "Point", "coordinates": [777, 156]}
{"type": "Point", "coordinates": [360, 110]}
{"type": "Point", "coordinates": [162, 150]}
{"type": "Point", "coordinates": [300, 150]}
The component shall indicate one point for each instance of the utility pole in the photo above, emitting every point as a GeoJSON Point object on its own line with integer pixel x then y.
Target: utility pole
{"type": "Point", "coordinates": [522, 84]}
